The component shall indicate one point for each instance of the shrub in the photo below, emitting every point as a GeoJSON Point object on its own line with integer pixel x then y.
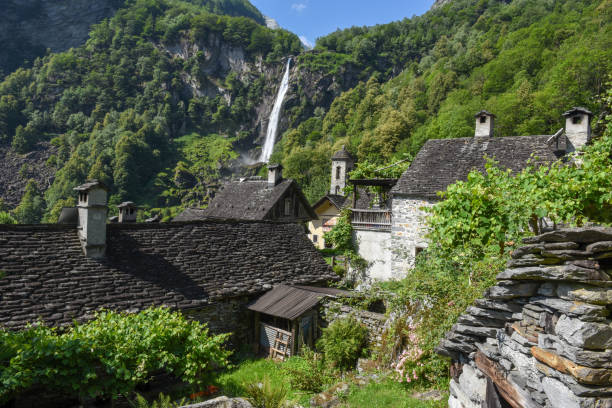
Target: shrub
{"type": "Point", "coordinates": [308, 371]}
{"type": "Point", "coordinates": [343, 342]}
{"type": "Point", "coordinates": [110, 355]}
{"type": "Point", "coordinates": [162, 401]}
{"type": "Point", "coordinates": [6, 218]}
{"type": "Point", "coordinates": [266, 395]}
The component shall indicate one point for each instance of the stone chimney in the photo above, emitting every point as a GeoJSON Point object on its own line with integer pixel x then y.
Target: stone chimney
{"type": "Point", "coordinates": [92, 217]}
{"type": "Point", "coordinates": [577, 128]}
{"type": "Point", "coordinates": [127, 212]}
{"type": "Point", "coordinates": [485, 124]}
{"type": "Point", "coordinates": [275, 174]}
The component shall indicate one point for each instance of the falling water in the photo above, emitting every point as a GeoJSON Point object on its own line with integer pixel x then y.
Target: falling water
{"type": "Point", "coordinates": [268, 146]}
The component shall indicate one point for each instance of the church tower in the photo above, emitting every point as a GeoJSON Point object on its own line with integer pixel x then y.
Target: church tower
{"type": "Point", "coordinates": [342, 164]}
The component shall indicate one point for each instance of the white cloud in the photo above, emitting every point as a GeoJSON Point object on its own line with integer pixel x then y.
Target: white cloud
{"type": "Point", "coordinates": [299, 7]}
{"type": "Point", "coordinates": [306, 43]}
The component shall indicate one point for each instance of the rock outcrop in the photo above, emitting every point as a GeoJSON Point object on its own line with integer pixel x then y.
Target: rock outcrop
{"type": "Point", "coordinates": [17, 169]}
{"type": "Point", "coordinates": [29, 27]}
{"type": "Point", "coordinates": [440, 3]}
{"type": "Point", "coordinates": [542, 337]}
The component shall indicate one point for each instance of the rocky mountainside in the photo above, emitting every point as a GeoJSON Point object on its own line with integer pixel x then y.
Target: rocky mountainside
{"type": "Point", "coordinates": [17, 169]}
{"type": "Point", "coordinates": [29, 27]}
{"type": "Point", "coordinates": [156, 106]}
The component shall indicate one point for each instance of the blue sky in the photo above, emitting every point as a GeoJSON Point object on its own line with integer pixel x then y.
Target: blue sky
{"type": "Point", "coordinates": [315, 18]}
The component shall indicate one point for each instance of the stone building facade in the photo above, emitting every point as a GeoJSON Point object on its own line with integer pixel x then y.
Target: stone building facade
{"type": "Point", "coordinates": [542, 336]}
{"type": "Point", "coordinates": [408, 232]}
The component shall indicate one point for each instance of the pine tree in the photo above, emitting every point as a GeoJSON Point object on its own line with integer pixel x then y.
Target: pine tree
{"type": "Point", "coordinates": [30, 209]}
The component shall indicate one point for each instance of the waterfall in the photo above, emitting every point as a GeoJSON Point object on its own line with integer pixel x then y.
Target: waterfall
{"type": "Point", "coordinates": [268, 146]}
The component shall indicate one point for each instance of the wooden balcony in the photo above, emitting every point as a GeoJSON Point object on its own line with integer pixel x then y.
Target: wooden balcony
{"type": "Point", "coordinates": [371, 220]}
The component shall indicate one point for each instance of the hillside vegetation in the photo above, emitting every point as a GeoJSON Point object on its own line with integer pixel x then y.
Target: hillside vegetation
{"type": "Point", "coordinates": [527, 61]}
{"type": "Point", "coordinates": [115, 107]}
{"type": "Point", "coordinates": [166, 96]}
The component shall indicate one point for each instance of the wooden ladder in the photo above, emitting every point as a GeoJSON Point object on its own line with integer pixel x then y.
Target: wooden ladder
{"type": "Point", "coordinates": [276, 351]}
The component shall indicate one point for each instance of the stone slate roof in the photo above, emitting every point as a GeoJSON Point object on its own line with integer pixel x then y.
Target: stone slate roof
{"type": "Point", "coordinates": [336, 200]}
{"type": "Point", "coordinates": [342, 154]}
{"type": "Point", "coordinates": [191, 214]}
{"type": "Point", "coordinates": [578, 110]}
{"type": "Point", "coordinates": [442, 162]}
{"type": "Point", "coordinates": [181, 265]}
{"type": "Point", "coordinates": [246, 200]}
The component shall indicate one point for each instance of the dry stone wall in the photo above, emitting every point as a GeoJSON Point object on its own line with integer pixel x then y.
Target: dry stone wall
{"type": "Point", "coordinates": [541, 337]}
{"type": "Point", "coordinates": [375, 322]}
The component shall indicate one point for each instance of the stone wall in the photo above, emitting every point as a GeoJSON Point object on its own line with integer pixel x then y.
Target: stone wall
{"type": "Point", "coordinates": [541, 337]}
{"type": "Point", "coordinates": [228, 316]}
{"type": "Point", "coordinates": [375, 247]}
{"type": "Point", "coordinates": [375, 322]}
{"type": "Point", "coordinates": [408, 232]}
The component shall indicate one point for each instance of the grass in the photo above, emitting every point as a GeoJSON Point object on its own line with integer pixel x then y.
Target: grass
{"type": "Point", "coordinates": [386, 394]}
{"type": "Point", "coordinates": [232, 383]}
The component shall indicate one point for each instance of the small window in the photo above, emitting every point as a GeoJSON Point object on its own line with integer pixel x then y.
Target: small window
{"type": "Point", "coordinates": [418, 250]}
{"type": "Point", "coordinates": [315, 238]}
{"type": "Point", "coordinates": [338, 171]}
{"type": "Point", "coordinates": [576, 120]}
{"type": "Point", "coordinates": [483, 119]}
{"type": "Point", "coordinates": [287, 206]}
{"type": "Point", "coordinates": [131, 211]}
{"type": "Point", "coordinates": [337, 190]}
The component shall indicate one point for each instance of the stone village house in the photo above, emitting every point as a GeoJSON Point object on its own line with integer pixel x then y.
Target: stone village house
{"type": "Point", "coordinates": [210, 269]}
{"type": "Point", "coordinates": [254, 198]}
{"type": "Point", "coordinates": [389, 234]}
{"type": "Point", "coordinates": [442, 162]}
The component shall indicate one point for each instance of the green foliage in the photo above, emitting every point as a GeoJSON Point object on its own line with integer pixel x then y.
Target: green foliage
{"type": "Point", "coordinates": [473, 231]}
{"type": "Point", "coordinates": [343, 342]}
{"type": "Point", "coordinates": [31, 208]}
{"type": "Point", "coordinates": [497, 206]}
{"type": "Point", "coordinates": [265, 394]}
{"type": "Point", "coordinates": [308, 371]}
{"type": "Point", "coordinates": [6, 218]}
{"type": "Point", "coordinates": [162, 401]}
{"type": "Point", "coordinates": [341, 235]}
{"type": "Point", "coordinates": [116, 106]}
{"type": "Point", "coordinates": [439, 288]}
{"type": "Point", "coordinates": [388, 393]}
{"type": "Point", "coordinates": [527, 61]}
{"type": "Point", "coordinates": [109, 355]}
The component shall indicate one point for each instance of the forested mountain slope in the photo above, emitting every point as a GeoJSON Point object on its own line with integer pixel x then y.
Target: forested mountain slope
{"type": "Point", "coordinates": [166, 97]}
{"type": "Point", "coordinates": [29, 27]}
{"type": "Point", "coordinates": [527, 61]}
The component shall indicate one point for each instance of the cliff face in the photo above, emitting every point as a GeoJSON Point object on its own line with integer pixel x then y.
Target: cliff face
{"type": "Point", "coordinates": [440, 3]}
{"type": "Point", "coordinates": [29, 27]}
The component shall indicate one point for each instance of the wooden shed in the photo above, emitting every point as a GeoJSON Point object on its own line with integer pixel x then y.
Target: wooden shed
{"type": "Point", "coordinates": [287, 317]}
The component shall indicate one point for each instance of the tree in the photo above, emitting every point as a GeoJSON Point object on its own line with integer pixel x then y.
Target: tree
{"type": "Point", "coordinates": [24, 140]}
{"type": "Point", "coordinates": [32, 206]}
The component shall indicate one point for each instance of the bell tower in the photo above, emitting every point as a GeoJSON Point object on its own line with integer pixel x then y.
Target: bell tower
{"type": "Point", "coordinates": [342, 164]}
